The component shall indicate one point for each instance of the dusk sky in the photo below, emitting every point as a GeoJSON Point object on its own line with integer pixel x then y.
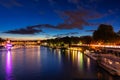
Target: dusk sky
{"type": "Point", "coordinates": [40, 19]}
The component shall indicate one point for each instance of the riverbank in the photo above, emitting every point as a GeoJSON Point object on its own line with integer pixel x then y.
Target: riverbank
{"type": "Point", "coordinates": [110, 69]}
{"type": "Point", "coordinates": [108, 62]}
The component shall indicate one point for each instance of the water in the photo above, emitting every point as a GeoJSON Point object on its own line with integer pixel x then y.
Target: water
{"type": "Point", "coordinates": [41, 63]}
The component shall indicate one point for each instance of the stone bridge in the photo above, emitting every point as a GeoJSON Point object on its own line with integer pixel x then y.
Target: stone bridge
{"type": "Point", "coordinates": [25, 42]}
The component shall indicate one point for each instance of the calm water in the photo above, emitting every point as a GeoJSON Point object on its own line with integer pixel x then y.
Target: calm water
{"type": "Point", "coordinates": [43, 63]}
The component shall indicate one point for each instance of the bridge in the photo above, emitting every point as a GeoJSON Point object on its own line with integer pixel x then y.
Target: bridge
{"type": "Point", "coordinates": [25, 42]}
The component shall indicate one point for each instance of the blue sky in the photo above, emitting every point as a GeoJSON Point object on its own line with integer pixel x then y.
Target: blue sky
{"type": "Point", "coordinates": [39, 19]}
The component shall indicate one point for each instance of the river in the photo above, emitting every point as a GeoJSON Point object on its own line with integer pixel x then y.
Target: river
{"type": "Point", "coordinates": [42, 63]}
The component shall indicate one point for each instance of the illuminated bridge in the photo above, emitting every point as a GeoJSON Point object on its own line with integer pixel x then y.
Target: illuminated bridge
{"type": "Point", "coordinates": [25, 42]}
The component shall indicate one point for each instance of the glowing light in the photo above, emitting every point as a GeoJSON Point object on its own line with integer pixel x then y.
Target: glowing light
{"type": "Point", "coordinates": [8, 46]}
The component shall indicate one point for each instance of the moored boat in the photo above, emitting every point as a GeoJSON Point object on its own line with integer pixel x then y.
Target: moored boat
{"type": "Point", "coordinates": [110, 63]}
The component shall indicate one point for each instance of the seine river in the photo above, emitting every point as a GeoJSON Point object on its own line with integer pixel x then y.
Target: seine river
{"type": "Point", "coordinates": [42, 63]}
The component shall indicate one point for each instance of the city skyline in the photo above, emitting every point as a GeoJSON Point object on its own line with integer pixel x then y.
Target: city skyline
{"type": "Point", "coordinates": [40, 19]}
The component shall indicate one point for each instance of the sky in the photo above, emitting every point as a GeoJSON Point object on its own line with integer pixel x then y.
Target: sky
{"type": "Point", "coordinates": [43, 19]}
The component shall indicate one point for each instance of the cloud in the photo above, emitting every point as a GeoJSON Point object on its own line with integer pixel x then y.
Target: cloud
{"type": "Point", "coordinates": [78, 19]}
{"type": "Point", "coordinates": [40, 26]}
{"type": "Point", "coordinates": [72, 20]}
{"type": "Point", "coordinates": [90, 30]}
{"type": "Point", "coordinates": [28, 30]}
{"type": "Point", "coordinates": [10, 3]}
{"type": "Point", "coordinates": [67, 34]}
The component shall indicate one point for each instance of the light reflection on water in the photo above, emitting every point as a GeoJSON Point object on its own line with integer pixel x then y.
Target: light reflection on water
{"type": "Point", "coordinates": [8, 65]}
{"type": "Point", "coordinates": [41, 63]}
{"type": "Point", "coordinates": [88, 63]}
{"type": "Point", "coordinates": [80, 60]}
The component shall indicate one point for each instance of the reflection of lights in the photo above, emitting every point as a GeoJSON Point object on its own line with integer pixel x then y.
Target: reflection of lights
{"type": "Point", "coordinates": [59, 55]}
{"type": "Point", "coordinates": [80, 60]}
{"type": "Point", "coordinates": [73, 56]}
{"type": "Point", "coordinates": [54, 51]}
{"type": "Point", "coordinates": [68, 53]}
{"type": "Point", "coordinates": [75, 49]}
{"type": "Point", "coordinates": [8, 65]}
{"type": "Point", "coordinates": [8, 60]}
{"type": "Point", "coordinates": [59, 52]}
{"type": "Point", "coordinates": [88, 63]}
{"type": "Point", "coordinates": [38, 53]}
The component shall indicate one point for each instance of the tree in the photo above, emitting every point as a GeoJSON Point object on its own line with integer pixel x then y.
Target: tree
{"type": "Point", "coordinates": [86, 39]}
{"type": "Point", "coordinates": [118, 32]}
{"type": "Point", "coordinates": [104, 33]}
{"type": "Point", "coordinates": [2, 40]}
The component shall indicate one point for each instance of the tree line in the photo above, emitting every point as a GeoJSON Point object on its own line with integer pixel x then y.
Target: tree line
{"type": "Point", "coordinates": [103, 35]}
{"type": "Point", "coordinates": [2, 40]}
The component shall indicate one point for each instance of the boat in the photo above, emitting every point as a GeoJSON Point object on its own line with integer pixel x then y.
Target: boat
{"type": "Point", "coordinates": [91, 54]}
{"type": "Point", "coordinates": [110, 63]}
